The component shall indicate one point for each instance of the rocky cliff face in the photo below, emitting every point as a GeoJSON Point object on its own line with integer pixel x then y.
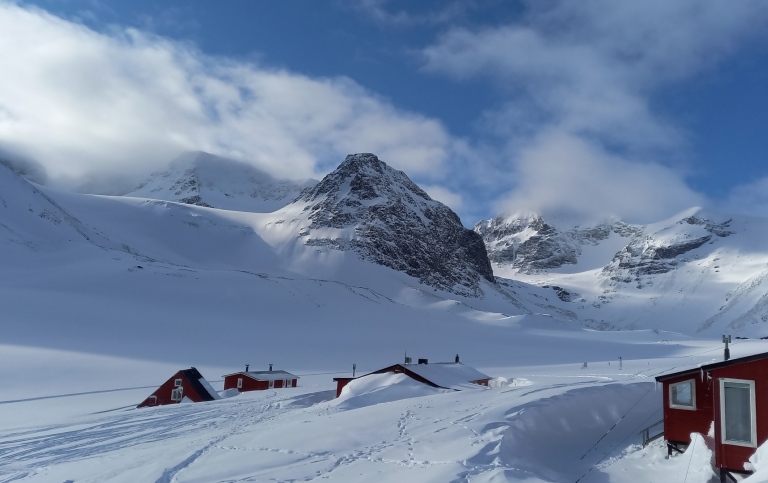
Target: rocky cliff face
{"type": "Point", "coordinates": [378, 212]}
{"type": "Point", "coordinates": [662, 251]}
{"type": "Point", "coordinates": [529, 244]}
{"type": "Point", "coordinates": [202, 179]}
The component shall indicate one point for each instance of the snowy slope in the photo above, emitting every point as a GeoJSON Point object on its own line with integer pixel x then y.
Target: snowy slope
{"type": "Point", "coordinates": [699, 271]}
{"type": "Point", "coordinates": [105, 297]}
{"type": "Point", "coordinates": [541, 422]}
{"type": "Point", "coordinates": [113, 270]}
{"type": "Point", "coordinates": [203, 179]}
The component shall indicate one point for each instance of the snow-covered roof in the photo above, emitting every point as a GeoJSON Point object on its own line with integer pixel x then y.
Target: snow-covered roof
{"type": "Point", "coordinates": [448, 375]}
{"type": "Point", "coordinates": [203, 382]}
{"type": "Point", "coordinates": [266, 375]}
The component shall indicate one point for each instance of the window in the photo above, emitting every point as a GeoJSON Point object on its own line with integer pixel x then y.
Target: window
{"type": "Point", "coordinates": [737, 412]}
{"type": "Point", "coordinates": [177, 383]}
{"type": "Point", "coordinates": [239, 382]}
{"type": "Point", "coordinates": [177, 394]}
{"type": "Point", "coordinates": [288, 382]}
{"type": "Point", "coordinates": [271, 384]}
{"type": "Point", "coordinates": [682, 395]}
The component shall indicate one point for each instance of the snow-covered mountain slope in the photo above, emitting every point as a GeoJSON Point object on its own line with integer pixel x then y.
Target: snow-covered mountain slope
{"type": "Point", "coordinates": [203, 179]}
{"type": "Point", "coordinates": [34, 228]}
{"type": "Point", "coordinates": [697, 271]}
{"type": "Point", "coordinates": [126, 276]}
{"type": "Point", "coordinates": [378, 213]}
{"type": "Point", "coordinates": [528, 243]}
{"type": "Point", "coordinates": [127, 290]}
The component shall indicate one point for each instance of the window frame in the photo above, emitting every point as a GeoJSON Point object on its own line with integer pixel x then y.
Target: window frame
{"type": "Point", "coordinates": [239, 382]}
{"type": "Point", "coordinates": [692, 407]}
{"type": "Point", "coordinates": [177, 382]}
{"type": "Point", "coordinates": [271, 384]}
{"type": "Point", "coordinates": [177, 394]}
{"type": "Point", "coordinates": [752, 411]}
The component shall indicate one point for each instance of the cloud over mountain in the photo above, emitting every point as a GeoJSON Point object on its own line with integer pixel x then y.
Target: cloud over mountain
{"type": "Point", "coordinates": [91, 103]}
{"type": "Point", "coordinates": [579, 79]}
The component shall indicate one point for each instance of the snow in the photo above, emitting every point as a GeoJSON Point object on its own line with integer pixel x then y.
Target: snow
{"type": "Point", "coordinates": [448, 375]}
{"type": "Point", "coordinates": [554, 422]}
{"type": "Point", "coordinates": [104, 297]}
{"type": "Point", "coordinates": [207, 385]}
{"type": "Point", "coordinates": [267, 375]}
{"type": "Point", "coordinates": [758, 463]}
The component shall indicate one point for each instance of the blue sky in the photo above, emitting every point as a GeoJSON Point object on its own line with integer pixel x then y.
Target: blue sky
{"type": "Point", "coordinates": [581, 109]}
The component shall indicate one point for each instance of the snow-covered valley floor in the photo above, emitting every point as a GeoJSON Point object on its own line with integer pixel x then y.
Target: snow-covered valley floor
{"type": "Point", "coordinates": [560, 423]}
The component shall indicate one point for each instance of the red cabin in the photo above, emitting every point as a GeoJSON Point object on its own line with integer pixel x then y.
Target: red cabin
{"type": "Point", "coordinates": [259, 380]}
{"type": "Point", "coordinates": [444, 375]}
{"type": "Point", "coordinates": [185, 385]}
{"type": "Point", "coordinates": [733, 394]}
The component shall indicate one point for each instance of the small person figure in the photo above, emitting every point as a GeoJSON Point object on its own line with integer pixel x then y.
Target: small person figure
{"type": "Point", "coordinates": [584, 366]}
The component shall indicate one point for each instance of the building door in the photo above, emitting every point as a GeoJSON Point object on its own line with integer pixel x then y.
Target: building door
{"type": "Point", "coordinates": [737, 412]}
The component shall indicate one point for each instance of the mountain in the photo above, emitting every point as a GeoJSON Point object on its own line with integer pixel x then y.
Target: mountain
{"type": "Point", "coordinates": [528, 243]}
{"type": "Point", "coordinates": [32, 222]}
{"type": "Point", "coordinates": [199, 178]}
{"type": "Point", "coordinates": [697, 271]}
{"type": "Point", "coordinates": [367, 207]}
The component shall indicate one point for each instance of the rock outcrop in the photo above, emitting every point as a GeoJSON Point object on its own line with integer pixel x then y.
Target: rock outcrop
{"type": "Point", "coordinates": [378, 212]}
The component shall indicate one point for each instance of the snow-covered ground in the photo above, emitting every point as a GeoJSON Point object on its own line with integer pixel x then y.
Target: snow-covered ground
{"type": "Point", "coordinates": [539, 422]}
{"type": "Point", "coordinates": [104, 298]}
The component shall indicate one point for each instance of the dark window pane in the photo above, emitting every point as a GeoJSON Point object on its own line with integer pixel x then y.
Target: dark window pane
{"type": "Point", "coordinates": [738, 415]}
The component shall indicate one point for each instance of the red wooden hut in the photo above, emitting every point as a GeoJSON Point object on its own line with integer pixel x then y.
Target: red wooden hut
{"type": "Point", "coordinates": [185, 385]}
{"type": "Point", "coordinates": [445, 375]}
{"type": "Point", "coordinates": [733, 394]}
{"type": "Point", "coordinates": [259, 380]}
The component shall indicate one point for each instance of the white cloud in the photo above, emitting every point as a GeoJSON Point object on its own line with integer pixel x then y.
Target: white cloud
{"type": "Point", "coordinates": [578, 126]}
{"type": "Point", "coordinates": [89, 104]}
{"type": "Point", "coordinates": [563, 175]}
{"type": "Point", "coordinates": [445, 196]}
{"type": "Point", "coordinates": [383, 12]}
{"type": "Point", "coordinates": [750, 198]}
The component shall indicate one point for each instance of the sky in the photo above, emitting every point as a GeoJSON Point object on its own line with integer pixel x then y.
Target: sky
{"type": "Point", "coordinates": [569, 109]}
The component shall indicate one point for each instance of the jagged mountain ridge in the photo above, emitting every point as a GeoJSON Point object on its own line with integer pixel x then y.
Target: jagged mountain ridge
{"type": "Point", "coordinates": [203, 179]}
{"type": "Point", "coordinates": [696, 271]}
{"type": "Point", "coordinates": [528, 243]}
{"type": "Point", "coordinates": [380, 214]}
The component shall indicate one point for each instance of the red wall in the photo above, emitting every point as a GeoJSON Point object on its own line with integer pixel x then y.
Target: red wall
{"type": "Point", "coordinates": [680, 423]}
{"type": "Point", "coordinates": [341, 382]}
{"type": "Point", "coordinates": [163, 393]}
{"type": "Point", "coordinates": [250, 384]}
{"type": "Point", "coordinates": [732, 456]}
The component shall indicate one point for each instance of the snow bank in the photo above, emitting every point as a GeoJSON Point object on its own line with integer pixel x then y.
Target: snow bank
{"type": "Point", "coordinates": [758, 463]}
{"type": "Point", "coordinates": [381, 388]}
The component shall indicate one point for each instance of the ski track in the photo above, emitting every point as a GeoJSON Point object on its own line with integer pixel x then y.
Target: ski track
{"type": "Point", "coordinates": [21, 453]}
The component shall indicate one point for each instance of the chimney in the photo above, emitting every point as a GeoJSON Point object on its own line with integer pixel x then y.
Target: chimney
{"type": "Point", "coordinates": [246, 367]}
{"type": "Point", "coordinates": [424, 361]}
{"type": "Point", "coordinates": [726, 340]}
{"type": "Point", "coordinates": [270, 368]}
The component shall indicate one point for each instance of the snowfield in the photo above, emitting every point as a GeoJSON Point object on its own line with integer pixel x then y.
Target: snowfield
{"type": "Point", "coordinates": [540, 423]}
{"type": "Point", "coordinates": [104, 298]}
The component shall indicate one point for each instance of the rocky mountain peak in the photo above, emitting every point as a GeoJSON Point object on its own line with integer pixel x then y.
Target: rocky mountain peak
{"type": "Point", "coordinates": [364, 177]}
{"type": "Point", "coordinates": [385, 217]}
